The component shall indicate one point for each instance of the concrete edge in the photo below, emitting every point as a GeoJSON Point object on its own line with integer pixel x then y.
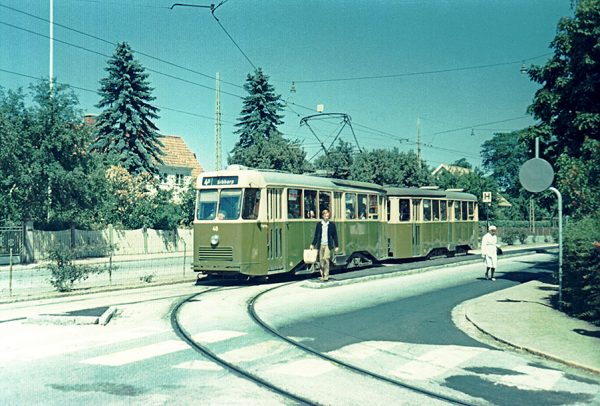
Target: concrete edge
{"type": "Point", "coordinates": [107, 315]}
{"type": "Point", "coordinates": [316, 284]}
{"type": "Point", "coordinates": [531, 350]}
{"type": "Point", "coordinates": [66, 320]}
{"type": "Point", "coordinates": [62, 320]}
{"type": "Point", "coordinates": [93, 290]}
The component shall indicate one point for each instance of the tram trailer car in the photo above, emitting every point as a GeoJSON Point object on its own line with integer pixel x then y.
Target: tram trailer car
{"type": "Point", "coordinates": [258, 222]}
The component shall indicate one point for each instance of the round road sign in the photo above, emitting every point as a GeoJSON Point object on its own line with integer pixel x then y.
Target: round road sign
{"type": "Point", "coordinates": [536, 175]}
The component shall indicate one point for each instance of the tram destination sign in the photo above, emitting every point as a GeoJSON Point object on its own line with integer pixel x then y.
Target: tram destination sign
{"type": "Point", "coordinates": [220, 181]}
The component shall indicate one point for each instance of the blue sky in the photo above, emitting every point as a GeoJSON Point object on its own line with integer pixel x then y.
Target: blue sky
{"type": "Point", "coordinates": [454, 64]}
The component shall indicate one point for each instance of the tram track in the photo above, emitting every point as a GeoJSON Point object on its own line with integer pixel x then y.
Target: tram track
{"type": "Point", "coordinates": [261, 378]}
{"type": "Point", "coordinates": [252, 312]}
{"type": "Point", "coordinates": [206, 352]}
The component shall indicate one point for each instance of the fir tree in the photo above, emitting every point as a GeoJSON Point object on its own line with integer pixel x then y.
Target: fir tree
{"type": "Point", "coordinates": [125, 127]}
{"type": "Point", "coordinates": [261, 144]}
{"type": "Point", "coordinates": [259, 117]}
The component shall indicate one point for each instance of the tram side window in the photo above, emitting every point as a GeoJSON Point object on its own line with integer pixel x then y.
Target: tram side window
{"type": "Point", "coordinates": [426, 210]}
{"type": "Point", "coordinates": [443, 210]}
{"type": "Point", "coordinates": [457, 212]}
{"type": "Point", "coordinates": [464, 210]}
{"type": "Point", "coordinates": [310, 204]}
{"type": "Point", "coordinates": [389, 205]}
{"type": "Point", "coordinates": [471, 210]}
{"type": "Point", "coordinates": [229, 204]}
{"type": "Point", "coordinates": [436, 210]}
{"type": "Point", "coordinates": [251, 204]}
{"type": "Point", "coordinates": [325, 201]}
{"type": "Point", "coordinates": [294, 203]}
{"type": "Point", "coordinates": [373, 207]}
{"type": "Point", "coordinates": [362, 206]}
{"type": "Point", "coordinates": [404, 210]}
{"type": "Point", "coordinates": [207, 204]}
{"type": "Point", "coordinates": [350, 205]}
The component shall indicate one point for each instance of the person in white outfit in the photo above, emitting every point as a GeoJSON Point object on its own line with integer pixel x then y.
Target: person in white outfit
{"type": "Point", "coordinates": [489, 252]}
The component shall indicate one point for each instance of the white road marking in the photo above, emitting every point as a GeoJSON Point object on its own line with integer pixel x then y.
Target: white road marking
{"type": "Point", "coordinates": [435, 363]}
{"type": "Point", "coordinates": [254, 352]}
{"type": "Point", "coordinates": [533, 378]}
{"type": "Point", "coordinates": [364, 350]}
{"type": "Point", "coordinates": [138, 354]}
{"type": "Point", "coordinates": [214, 336]}
{"type": "Point", "coordinates": [307, 368]}
{"type": "Point", "coordinates": [199, 365]}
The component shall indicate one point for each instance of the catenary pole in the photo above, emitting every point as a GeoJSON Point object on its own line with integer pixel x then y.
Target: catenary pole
{"type": "Point", "coordinates": [51, 61]}
{"type": "Point", "coordinates": [560, 245]}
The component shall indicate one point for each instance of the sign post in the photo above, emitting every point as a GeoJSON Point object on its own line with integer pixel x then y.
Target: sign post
{"type": "Point", "coordinates": [487, 198]}
{"type": "Point", "coordinates": [536, 175]}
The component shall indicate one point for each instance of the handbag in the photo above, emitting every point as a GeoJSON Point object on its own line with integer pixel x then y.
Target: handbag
{"type": "Point", "coordinates": [310, 256]}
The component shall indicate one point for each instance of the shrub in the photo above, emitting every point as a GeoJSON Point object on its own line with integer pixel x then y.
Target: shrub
{"type": "Point", "coordinates": [509, 235]}
{"type": "Point", "coordinates": [581, 269]}
{"type": "Point", "coordinates": [64, 273]}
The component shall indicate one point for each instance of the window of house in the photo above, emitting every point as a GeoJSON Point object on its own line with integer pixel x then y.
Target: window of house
{"type": "Point", "coordinates": [350, 208]}
{"type": "Point", "coordinates": [294, 203]}
{"type": "Point", "coordinates": [404, 210]}
{"type": "Point", "coordinates": [179, 179]}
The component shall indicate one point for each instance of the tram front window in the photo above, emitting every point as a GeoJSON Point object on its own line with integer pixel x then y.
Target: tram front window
{"type": "Point", "coordinates": [229, 204]}
{"type": "Point", "coordinates": [207, 204]}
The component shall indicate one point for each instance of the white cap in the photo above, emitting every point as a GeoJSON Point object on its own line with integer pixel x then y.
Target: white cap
{"type": "Point", "coordinates": [492, 228]}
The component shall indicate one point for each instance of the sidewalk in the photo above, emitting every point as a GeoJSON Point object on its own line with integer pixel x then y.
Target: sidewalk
{"type": "Point", "coordinates": [522, 317]}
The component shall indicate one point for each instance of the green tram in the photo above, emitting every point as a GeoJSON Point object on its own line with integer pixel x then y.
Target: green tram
{"type": "Point", "coordinates": [258, 222]}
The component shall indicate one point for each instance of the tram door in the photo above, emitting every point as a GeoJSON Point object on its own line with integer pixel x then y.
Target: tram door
{"type": "Point", "coordinates": [275, 235]}
{"type": "Point", "coordinates": [416, 227]}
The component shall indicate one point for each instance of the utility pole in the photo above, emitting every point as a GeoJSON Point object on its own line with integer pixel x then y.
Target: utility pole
{"type": "Point", "coordinates": [218, 126]}
{"type": "Point", "coordinates": [51, 68]}
{"type": "Point", "coordinates": [419, 142]}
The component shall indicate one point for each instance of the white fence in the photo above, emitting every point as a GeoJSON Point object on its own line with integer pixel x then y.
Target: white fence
{"type": "Point", "coordinates": [123, 242]}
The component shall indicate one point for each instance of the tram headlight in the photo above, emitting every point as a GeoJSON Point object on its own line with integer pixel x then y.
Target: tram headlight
{"type": "Point", "coordinates": [214, 239]}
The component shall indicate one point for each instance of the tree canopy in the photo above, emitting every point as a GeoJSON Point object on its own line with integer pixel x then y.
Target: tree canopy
{"type": "Point", "coordinates": [568, 107]}
{"type": "Point", "coordinates": [46, 172]}
{"type": "Point", "coordinates": [125, 127]}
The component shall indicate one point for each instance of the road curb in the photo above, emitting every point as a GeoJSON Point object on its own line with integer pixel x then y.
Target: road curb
{"type": "Point", "coordinates": [69, 320]}
{"type": "Point", "coordinates": [531, 350]}
{"type": "Point", "coordinates": [317, 284]}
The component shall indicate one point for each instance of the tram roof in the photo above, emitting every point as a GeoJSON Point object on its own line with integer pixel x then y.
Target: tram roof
{"type": "Point", "coordinates": [433, 193]}
{"type": "Point", "coordinates": [273, 177]}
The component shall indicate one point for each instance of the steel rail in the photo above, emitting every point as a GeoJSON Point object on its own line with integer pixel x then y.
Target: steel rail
{"type": "Point", "coordinates": [185, 336]}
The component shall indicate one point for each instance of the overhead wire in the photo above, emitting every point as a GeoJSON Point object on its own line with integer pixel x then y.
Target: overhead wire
{"type": "Point", "coordinates": [110, 56]}
{"type": "Point", "coordinates": [114, 44]}
{"type": "Point", "coordinates": [430, 72]}
{"type": "Point", "coordinates": [96, 92]}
